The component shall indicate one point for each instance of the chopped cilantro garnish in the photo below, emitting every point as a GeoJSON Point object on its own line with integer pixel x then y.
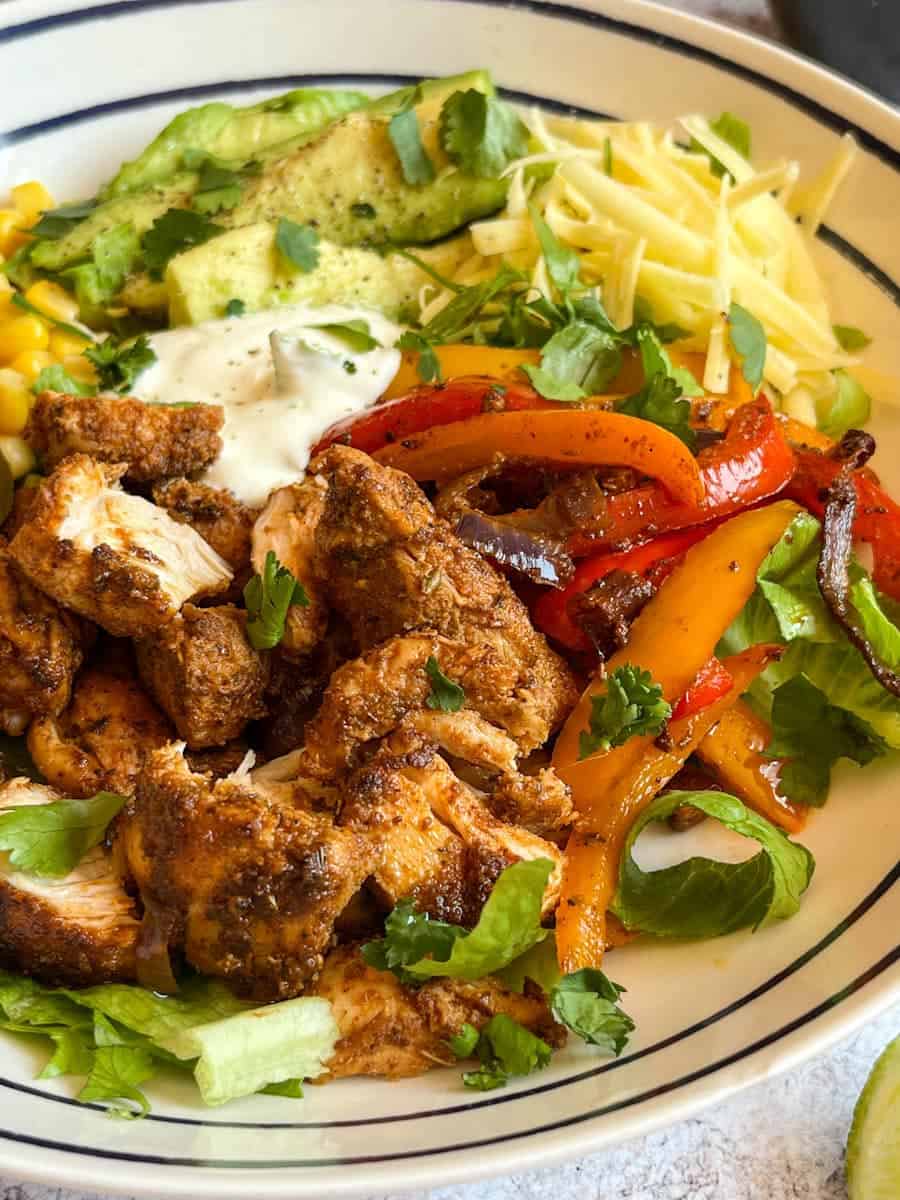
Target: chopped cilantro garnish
{"type": "Point", "coordinates": [505, 1049]}
{"type": "Point", "coordinates": [174, 232]}
{"type": "Point", "coordinates": [748, 339]}
{"type": "Point", "coordinates": [445, 694]}
{"type": "Point", "coordinates": [51, 839]}
{"type": "Point", "coordinates": [118, 365]}
{"type": "Point", "coordinates": [850, 338]}
{"type": "Point", "coordinates": [57, 222]}
{"type": "Point", "coordinates": [364, 211]}
{"type": "Point", "coordinates": [429, 367]}
{"type": "Point", "coordinates": [481, 134]}
{"type": "Point", "coordinates": [298, 244]}
{"type": "Point", "coordinates": [632, 704]}
{"type": "Point", "coordinates": [563, 265]}
{"type": "Point", "coordinates": [268, 597]}
{"type": "Point", "coordinates": [578, 361]}
{"type": "Point", "coordinates": [235, 308]}
{"type": "Point", "coordinates": [406, 138]}
{"type": "Point", "coordinates": [354, 334]}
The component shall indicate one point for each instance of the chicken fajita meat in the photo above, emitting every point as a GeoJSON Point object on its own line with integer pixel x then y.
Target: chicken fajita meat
{"type": "Point", "coordinates": [72, 932]}
{"type": "Point", "coordinates": [155, 441]}
{"type": "Point", "coordinates": [203, 672]}
{"type": "Point", "coordinates": [372, 547]}
{"type": "Point", "coordinates": [244, 877]}
{"type": "Point", "coordinates": [111, 556]}
{"type": "Point", "coordinates": [387, 1029]}
{"type": "Point", "coordinates": [99, 742]}
{"type": "Point", "coordinates": [221, 520]}
{"type": "Point", "coordinates": [41, 649]}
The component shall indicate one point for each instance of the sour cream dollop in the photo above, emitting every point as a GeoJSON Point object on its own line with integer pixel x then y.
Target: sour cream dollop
{"type": "Point", "coordinates": [282, 381]}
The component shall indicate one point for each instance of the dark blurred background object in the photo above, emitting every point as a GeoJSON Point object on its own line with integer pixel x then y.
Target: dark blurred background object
{"type": "Point", "coordinates": [860, 38]}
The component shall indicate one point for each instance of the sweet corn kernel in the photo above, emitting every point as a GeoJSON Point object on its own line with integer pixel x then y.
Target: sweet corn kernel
{"type": "Point", "coordinates": [53, 300]}
{"type": "Point", "coordinates": [22, 333]}
{"type": "Point", "coordinates": [19, 456]}
{"type": "Point", "coordinates": [11, 235]}
{"type": "Point", "coordinates": [31, 199]}
{"type": "Point", "coordinates": [30, 363]}
{"type": "Point", "coordinates": [63, 345]}
{"type": "Point", "coordinates": [80, 369]}
{"type": "Point", "coordinates": [15, 401]}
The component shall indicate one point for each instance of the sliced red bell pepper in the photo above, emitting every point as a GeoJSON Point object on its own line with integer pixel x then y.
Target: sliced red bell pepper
{"type": "Point", "coordinates": [877, 515]}
{"type": "Point", "coordinates": [551, 608]}
{"type": "Point", "coordinates": [430, 405]}
{"type": "Point", "coordinates": [712, 683]}
{"type": "Point", "coordinates": [753, 461]}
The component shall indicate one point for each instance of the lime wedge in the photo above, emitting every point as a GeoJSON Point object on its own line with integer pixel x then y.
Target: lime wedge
{"type": "Point", "coordinates": [873, 1147]}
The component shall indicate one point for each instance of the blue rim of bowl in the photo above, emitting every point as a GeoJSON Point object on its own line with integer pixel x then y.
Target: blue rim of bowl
{"type": "Point", "coordinates": [571, 13]}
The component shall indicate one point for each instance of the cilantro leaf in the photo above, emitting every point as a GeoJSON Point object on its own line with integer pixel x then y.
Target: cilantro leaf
{"type": "Point", "coordinates": [655, 361]}
{"type": "Point", "coordinates": [481, 134]}
{"type": "Point", "coordinates": [702, 897]}
{"type": "Point", "coordinates": [506, 1049]}
{"type": "Point", "coordinates": [428, 366]}
{"type": "Point", "coordinates": [578, 361]}
{"type": "Point", "coordinates": [410, 937]}
{"type": "Point", "coordinates": [812, 735]}
{"type": "Point", "coordinates": [51, 839]}
{"type": "Point", "coordinates": [445, 694]}
{"type": "Point", "coordinates": [219, 187]}
{"type": "Point", "coordinates": [464, 1043]}
{"type": "Point", "coordinates": [174, 232]}
{"type": "Point", "coordinates": [748, 338]}
{"type": "Point", "coordinates": [235, 308]}
{"type": "Point", "coordinates": [406, 138]}
{"type": "Point", "coordinates": [354, 334]}
{"type": "Point", "coordinates": [58, 379]}
{"type": "Point", "coordinates": [587, 1003]}
{"type": "Point", "coordinates": [453, 322]}
{"type": "Point", "coordinates": [114, 253]}
{"type": "Point", "coordinates": [56, 223]}
{"type": "Point", "coordinates": [850, 338]}
{"type": "Point", "coordinates": [563, 265]}
{"type": "Point", "coordinates": [661, 402]}
{"type": "Point", "coordinates": [730, 129]}
{"type": "Point", "coordinates": [364, 211]}
{"type": "Point", "coordinates": [119, 364]}
{"type": "Point", "coordinates": [298, 244]}
{"type": "Point", "coordinates": [632, 704]}
{"type": "Point", "coordinates": [268, 597]}
{"type": "Point", "coordinates": [121, 1062]}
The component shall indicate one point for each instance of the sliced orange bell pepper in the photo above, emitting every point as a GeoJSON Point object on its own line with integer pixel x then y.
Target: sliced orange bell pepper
{"type": "Point", "coordinates": [711, 684]}
{"type": "Point", "coordinates": [734, 751]}
{"type": "Point", "coordinates": [576, 438]}
{"type": "Point", "coordinates": [500, 362]}
{"type": "Point", "coordinates": [676, 634]}
{"type": "Point", "coordinates": [594, 852]}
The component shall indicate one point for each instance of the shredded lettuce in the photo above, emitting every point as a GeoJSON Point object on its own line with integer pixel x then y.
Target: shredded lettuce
{"type": "Point", "coordinates": [703, 898]}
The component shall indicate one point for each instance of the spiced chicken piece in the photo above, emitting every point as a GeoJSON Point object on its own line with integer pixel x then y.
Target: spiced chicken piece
{"type": "Point", "coordinates": [395, 1031]}
{"type": "Point", "coordinates": [437, 840]}
{"type": "Point", "coordinates": [246, 877]}
{"type": "Point", "coordinates": [110, 556]}
{"type": "Point", "coordinates": [368, 543]}
{"type": "Point", "coordinates": [70, 932]}
{"type": "Point", "coordinates": [40, 650]}
{"type": "Point", "coordinates": [204, 673]}
{"type": "Point", "coordinates": [219, 517]}
{"type": "Point", "coordinates": [154, 441]}
{"type": "Point", "coordinates": [100, 741]}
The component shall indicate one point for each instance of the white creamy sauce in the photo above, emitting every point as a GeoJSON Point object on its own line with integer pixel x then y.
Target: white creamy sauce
{"type": "Point", "coordinates": [281, 381]}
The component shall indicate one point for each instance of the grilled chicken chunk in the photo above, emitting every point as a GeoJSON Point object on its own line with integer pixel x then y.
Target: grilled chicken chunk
{"type": "Point", "coordinates": [110, 556]}
{"type": "Point", "coordinates": [370, 695]}
{"type": "Point", "coordinates": [155, 441]}
{"type": "Point", "coordinates": [100, 741]}
{"type": "Point", "coordinates": [393, 1031]}
{"type": "Point", "coordinates": [366, 541]}
{"type": "Point", "coordinates": [437, 840]}
{"type": "Point", "coordinates": [246, 876]}
{"type": "Point", "coordinates": [40, 650]}
{"type": "Point", "coordinates": [70, 932]}
{"type": "Point", "coordinates": [287, 528]}
{"type": "Point", "coordinates": [204, 673]}
{"type": "Point", "coordinates": [218, 516]}
{"type": "Point", "coordinates": [540, 803]}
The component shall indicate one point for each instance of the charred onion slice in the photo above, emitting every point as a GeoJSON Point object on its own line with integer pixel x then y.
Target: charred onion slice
{"type": "Point", "coordinates": [539, 559]}
{"type": "Point", "coordinates": [833, 573]}
{"type": "Point", "coordinates": [854, 449]}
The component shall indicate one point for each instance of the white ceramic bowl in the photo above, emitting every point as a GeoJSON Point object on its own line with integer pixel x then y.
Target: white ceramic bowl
{"type": "Point", "coordinates": [85, 87]}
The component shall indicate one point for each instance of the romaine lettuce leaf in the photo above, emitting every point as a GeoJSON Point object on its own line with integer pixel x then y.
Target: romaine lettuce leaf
{"type": "Point", "coordinates": [701, 897]}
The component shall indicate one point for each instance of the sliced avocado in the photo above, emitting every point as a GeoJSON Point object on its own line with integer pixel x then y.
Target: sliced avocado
{"type": "Point", "coordinates": [234, 134]}
{"type": "Point", "coordinates": [140, 210]}
{"type": "Point", "coordinates": [430, 93]}
{"type": "Point", "coordinates": [244, 264]}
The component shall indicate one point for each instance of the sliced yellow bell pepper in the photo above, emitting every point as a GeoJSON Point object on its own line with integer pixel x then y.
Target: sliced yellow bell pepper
{"type": "Point", "coordinates": [499, 362]}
